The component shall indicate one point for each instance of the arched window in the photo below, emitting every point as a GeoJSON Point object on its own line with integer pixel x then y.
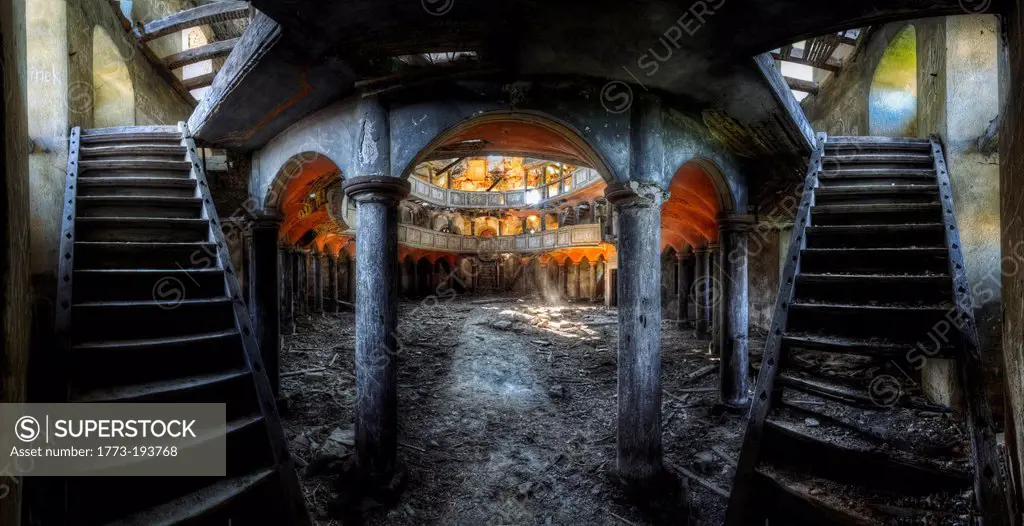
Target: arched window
{"type": "Point", "coordinates": [892, 101]}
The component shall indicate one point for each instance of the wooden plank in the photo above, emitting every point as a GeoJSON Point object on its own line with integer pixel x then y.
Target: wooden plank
{"type": "Point", "coordinates": [793, 122]}
{"type": "Point", "coordinates": [772, 356]}
{"type": "Point", "coordinates": [191, 56]}
{"type": "Point", "coordinates": [198, 16]}
{"type": "Point", "coordinates": [201, 81]}
{"type": "Point", "coordinates": [258, 39]}
{"type": "Point", "coordinates": [293, 501]}
{"type": "Point", "coordinates": [797, 57]}
{"type": "Point", "coordinates": [988, 481]}
{"type": "Point", "coordinates": [806, 86]}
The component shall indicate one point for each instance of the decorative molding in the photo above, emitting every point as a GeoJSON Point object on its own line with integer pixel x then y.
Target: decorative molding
{"type": "Point", "coordinates": [435, 195]}
{"type": "Point", "coordinates": [565, 237]}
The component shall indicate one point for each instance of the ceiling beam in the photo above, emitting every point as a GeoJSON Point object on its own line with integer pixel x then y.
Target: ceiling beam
{"type": "Point", "coordinates": [199, 16]}
{"type": "Point", "coordinates": [199, 54]}
{"type": "Point", "coordinates": [806, 86]}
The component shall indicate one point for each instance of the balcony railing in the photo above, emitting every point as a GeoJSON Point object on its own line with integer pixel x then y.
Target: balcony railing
{"type": "Point", "coordinates": [436, 195]}
{"type": "Point", "coordinates": [565, 237]}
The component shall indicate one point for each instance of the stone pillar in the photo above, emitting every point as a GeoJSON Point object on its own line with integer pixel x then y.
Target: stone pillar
{"type": "Point", "coordinates": [701, 291]}
{"type": "Point", "coordinates": [592, 281]}
{"type": "Point", "coordinates": [287, 291]}
{"type": "Point", "coordinates": [734, 320]}
{"type": "Point", "coordinates": [265, 297]}
{"type": "Point", "coordinates": [684, 282]}
{"type": "Point", "coordinates": [573, 275]}
{"type": "Point", "coordinates": [639, 299]}
{"type": "Point", "coordinates": [318, 283]}
{"type": "Point", "coordinates": [377, 195]}
{"type": "Point", "coordinates": [714, 293]}
{"type": "Point", "coordinates": [302, 276]}
{"type": "Point", "coordinates": [376, 319]}
{"type": "Point", "coordinates": [563, 280]}
{"type": "Point", "coordinates": [332, 283]}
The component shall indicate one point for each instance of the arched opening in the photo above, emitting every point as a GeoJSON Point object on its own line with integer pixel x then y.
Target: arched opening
{"type": "Point", "coordinates": [424, 277]}
{"type": "Point", "coordinates": [408, 277]}
{"type": "Point", "coordinates": [892, 100]}
{"type": "Point", "coordinates": [113, 93]}
{"type": "Point", "coordinates": [306, 192]}
{"type": "Point", "coordinates": [442, 272]}
{"type": "Point", "coordinates": [698, 195]}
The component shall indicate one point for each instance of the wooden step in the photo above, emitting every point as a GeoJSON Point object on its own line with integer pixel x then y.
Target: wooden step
{"type": "Point", "coordinates": [893, 261]}
{"type": "Point", "coordinates": [901, 235]}
{"type": "Point", "coordinates": [844, 157]}
{"type": "Point", "coordinates": [876, 214]}
{"type": "Point", "coordinates": [104, 363]}
{"type": "Point", "coordinates": [126, 206]}
{"type": "Point", "coordinates": [144, 186]}
{"type": "Point", "coordinates": [857, 172]}
{"type": "Point", "coordinates": [132, 150]}
{"type": "Point", "coordinates": [156, 391]}
{"type": "Point", "coordinates": [897, 323]}
{"type": "Point", "coordinates": [853, 397]}
{"type": "Point", "coordinates": [123, 165]}
{"type": "Point", "coordinates": [146, 284]}
{"type": "Point", "coordinates": [141, 229]}
{"type": "Point", "coordinates": [860, 346]}
{"type": "Point", "coordinates": [849, 461]}
{"type": "Point", "coordinates": [867, 143]}
{"type": "Point", "coordinates": [172, 314]}
{"type": "Point", "coordinates": [897, 192]}
{"type": "Point", "coordinates": [148, 254]}
{"type": "Point", "coordinates": [911, 289]}
{"type": "Point", "coordinates": [201, 504]}
{"type": "Point", "coordinates": [132, 134]}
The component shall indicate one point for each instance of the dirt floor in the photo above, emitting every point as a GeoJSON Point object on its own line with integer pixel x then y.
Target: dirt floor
{"type": "Point", "coordinates": [507, 415]}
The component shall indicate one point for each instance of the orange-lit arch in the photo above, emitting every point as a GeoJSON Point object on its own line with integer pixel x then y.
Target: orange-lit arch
{"type": "Point", "coordinates": [303, 193]}
{"type": "Point", "coordinates": [697, 196]}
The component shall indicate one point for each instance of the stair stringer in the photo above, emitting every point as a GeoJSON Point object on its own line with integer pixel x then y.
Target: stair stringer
{"type": "Point", "coordinates": [294, 502]}
{"type": "Point", "coordinates": [989, 491]}
{"type": "Point", "coordinates": [765, 388]}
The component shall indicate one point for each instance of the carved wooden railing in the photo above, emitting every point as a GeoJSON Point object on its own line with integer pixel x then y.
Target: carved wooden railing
{"type": "Point", "coordinates": [770, 360]}
{"type": "Point", "coordinates": [565, 237]}
{"type": "Point", "coordinates": [424, 191]}
{"type": "Point", "coordinates": [66, 266]}
{"type": "Point", "coordinates": [988, 485]}
{"type": "Point", "coordinates": [253, 359]}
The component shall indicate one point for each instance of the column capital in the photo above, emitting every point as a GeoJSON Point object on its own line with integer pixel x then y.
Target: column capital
{"type": "Point", "coordinates": [702, 250]}
{"type": "Point", "coordinates": [735, 222]}
{"type": "Point", "coordinates": [712, 247]}
{"type": "Point", "coordinates": [267, 219]}
{"type": "Point", "coordinates": [633, 194]}
{"type": "Point", "coordinates": [376, 188]}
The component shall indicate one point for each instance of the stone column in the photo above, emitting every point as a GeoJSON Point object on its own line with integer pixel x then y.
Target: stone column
{"type": "Point", "coordinates": [701, 290]}
{"type": "Point", "coordinates": [714, 292]}
{"type": "Point", "coordinates": [332, 283]}
{"type": "Point", "coordinates": [303, 282]}
{"type": "Point", "coordinates": [684, 282]}
{"type": "Point", "coordinates": [563, 280]}
{"type": "Point", "coordinates": [318, 283]}
{"type": "Point", "coordinates": [287, 291]}
{"type": "Point", "coordinates": [733, 318]}
{"type": "Point", "coordinates": [376, 319]}
{"type": "Point", "coordinates": [265, 299]}
{"type": "Point", "coordinates": [639, 299]}
{"type": "Point", "coordinates": [573, 275]}
{"type": "Point", "coordinates": [592, 281]}
{"type": "Point", "coordinates": [377, 195]}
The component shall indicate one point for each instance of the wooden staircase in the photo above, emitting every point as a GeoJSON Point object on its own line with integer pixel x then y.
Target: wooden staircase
{"type": "Point", "coordinates": [875, 273]}
{"type": "Point", "coordinates": [149, 310]}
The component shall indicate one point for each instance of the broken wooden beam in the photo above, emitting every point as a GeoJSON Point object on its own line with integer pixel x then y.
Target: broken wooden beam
{"type": "Point", "coordinates": [199, 16]}
{"type": "Point", "coordinates": [200, 81]}
{"type": "Point", "coordinates": [191, 56]}
{"type": "Point", "coordinates": [806, 86]}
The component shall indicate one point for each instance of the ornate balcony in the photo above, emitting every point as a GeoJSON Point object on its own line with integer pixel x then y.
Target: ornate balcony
{"type": "Point", "coordinates": [565, 237]}
{"type": "Point", "coordinates": [444, 197]}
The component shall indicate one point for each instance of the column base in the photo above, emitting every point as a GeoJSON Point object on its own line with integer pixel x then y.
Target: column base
{"type": "Point", "coordinates": [663, 497]}
{"type": "Point", "coordinates": [362, 494]}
